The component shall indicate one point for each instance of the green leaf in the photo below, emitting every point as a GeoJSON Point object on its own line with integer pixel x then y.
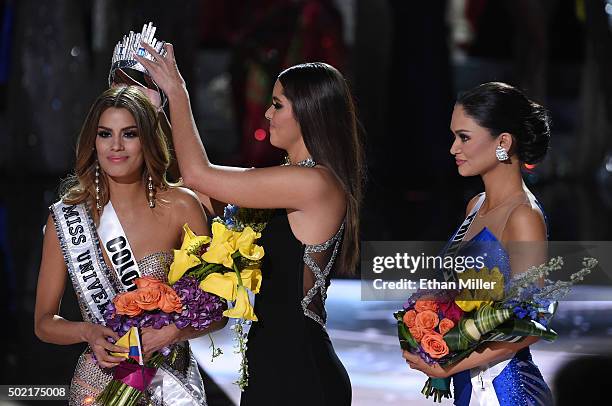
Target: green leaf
{"type": "Point", "coordinates": [407, 342]}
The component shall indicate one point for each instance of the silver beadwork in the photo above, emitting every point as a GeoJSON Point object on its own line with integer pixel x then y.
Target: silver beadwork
{"type": "Point", "coordinates": [320, 285]}
{"type": "Point", "coordinates": [501, 153]}
{"type": "Point", "coordinates": [308, 162]}
{"type": "Point", "coordinates": [151, 195]}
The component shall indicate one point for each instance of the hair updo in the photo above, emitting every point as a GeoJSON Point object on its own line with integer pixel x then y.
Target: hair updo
{"type": "Point", "coordinates": [502, 108]}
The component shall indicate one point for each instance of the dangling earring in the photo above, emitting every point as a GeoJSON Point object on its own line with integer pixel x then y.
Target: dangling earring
{"type": "Point", "coordinates": [151, 197]}
{"type": "Point", "coordinates": [501, 153]}
{"type": "Point", "coordinates": [98, 205]}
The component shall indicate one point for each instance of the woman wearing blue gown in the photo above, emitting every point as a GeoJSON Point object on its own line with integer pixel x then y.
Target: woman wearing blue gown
{"type": "Point", "coordinates": [496, 130]}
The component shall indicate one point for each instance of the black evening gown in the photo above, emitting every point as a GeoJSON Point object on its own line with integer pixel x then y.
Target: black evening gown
{"type": "Point", "coordinates": [291, 358]}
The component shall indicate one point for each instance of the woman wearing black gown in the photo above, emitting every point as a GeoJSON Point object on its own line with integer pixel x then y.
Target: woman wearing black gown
{"type": "Point", "coordinates": [314, 231]}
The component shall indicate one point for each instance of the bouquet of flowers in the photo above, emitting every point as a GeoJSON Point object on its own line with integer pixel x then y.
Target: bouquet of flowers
{"type": "Point", "coordinates": [228, 265]}
{"type": "Point", "coordinates": [205, 275]}
{"type": "Point", "coordinates": [154, 304]}
{"type": "Point", "coordinates": [446, 327]}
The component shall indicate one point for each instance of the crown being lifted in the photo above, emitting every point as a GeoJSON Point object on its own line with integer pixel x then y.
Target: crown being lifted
{"type": "Point", "coordinates": [123, 56]}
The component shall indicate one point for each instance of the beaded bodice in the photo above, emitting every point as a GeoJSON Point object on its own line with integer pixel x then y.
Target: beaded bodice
{"type": "Point", "coordinates": [319, 261]}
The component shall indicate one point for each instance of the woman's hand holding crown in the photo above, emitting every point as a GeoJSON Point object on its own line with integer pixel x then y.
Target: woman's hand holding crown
{"type": "Point", "coordinates": [163, 70]}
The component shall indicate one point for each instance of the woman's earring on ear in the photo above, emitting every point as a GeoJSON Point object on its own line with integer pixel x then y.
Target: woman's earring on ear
{"type": "Point", "coordinates": [151, 197]}
{"type": "Point", "coordinates": [501, 153]}
{"type": "Point", "coordinates": [98, 205]}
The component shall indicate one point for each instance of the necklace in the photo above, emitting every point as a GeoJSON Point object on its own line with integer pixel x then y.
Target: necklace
{"type": "Point", "coordinates": [308, 162]}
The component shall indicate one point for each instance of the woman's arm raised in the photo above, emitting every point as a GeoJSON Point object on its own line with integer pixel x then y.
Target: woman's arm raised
{"type": "Point", "coordinates": [276, 187]}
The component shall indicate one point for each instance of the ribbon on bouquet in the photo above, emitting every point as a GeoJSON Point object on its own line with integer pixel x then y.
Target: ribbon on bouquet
{"type": "Point", "coordinates": [137, 376]}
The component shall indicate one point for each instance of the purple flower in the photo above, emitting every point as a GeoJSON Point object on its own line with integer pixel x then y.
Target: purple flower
{"type": "Point", "coordinates": [409, 304]}
{"type": "Point", "coordinates": [520, 312]}
{"type": "Point", "coordinates": [200, 309]}
{"type": "Point", "coordinates": [424, 356]}
{"type": "Point", "coordinates": [156, 320]}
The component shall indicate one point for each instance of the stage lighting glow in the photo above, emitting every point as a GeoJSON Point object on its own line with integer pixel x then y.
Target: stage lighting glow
{"type": "Point", "coordinates": [260, 134]}
{"type": "Point", "coordinates": [609, 163]}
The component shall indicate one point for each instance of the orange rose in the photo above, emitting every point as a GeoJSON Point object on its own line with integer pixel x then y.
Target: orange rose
{"type": "Point", "coordinates": [445, 326]}
{"type": "Point", "coordinates": [409, 318]}
{"type": "Point", "coordinates": [427, 319]}
{"type": "Point", "coordinates": [434, 345]}
{"type": "Point", "coordinates": [148, 298]}
{"type": "Point", "coordinates": [169, 301]}
{"type": "Point", "coordinates": [125, 304]}
{"type": "Point", "coordinates": [146, 281]}
{"type": "Point", "coordinates": [418, 332]}
{"type": "Point", "coordinates": [422, 305]}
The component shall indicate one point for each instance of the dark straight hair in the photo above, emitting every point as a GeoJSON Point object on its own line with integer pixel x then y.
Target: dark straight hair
{"type": "Point", "coordinates": [324, 109]}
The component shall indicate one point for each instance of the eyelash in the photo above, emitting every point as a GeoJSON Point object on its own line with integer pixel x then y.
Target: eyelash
{"type": "Point", "coordinates": [127, 134]}
{"type": "Point", "coordinates": [277, 106]}
{"type": "Point", "coordinates": [462, 137]}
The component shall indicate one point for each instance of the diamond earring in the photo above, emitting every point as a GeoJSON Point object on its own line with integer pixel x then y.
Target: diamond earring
{"type": "Point", "coordinates": [151, 197]}
{"type": "Point", "coordinates": [98, 205]}
{"type": "Point", "coordinates": [501, 153]}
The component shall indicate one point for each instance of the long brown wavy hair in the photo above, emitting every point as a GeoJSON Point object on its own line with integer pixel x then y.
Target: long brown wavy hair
{"type": "Point", "coordinates": [81, 187]}
{"type": "Point", "coordinates": [323, 107]}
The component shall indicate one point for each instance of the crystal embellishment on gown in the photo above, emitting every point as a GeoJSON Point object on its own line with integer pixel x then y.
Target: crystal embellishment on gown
{"type": "Point", "coordinates": [320, 285]}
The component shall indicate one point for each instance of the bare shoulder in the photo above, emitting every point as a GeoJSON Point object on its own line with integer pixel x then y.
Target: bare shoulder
{"type": "Point", "coordinates": [181, 198]}
{"type": "Point", "coordinates": [326, 179]}
{"type": "Point", "coordinates": [525, 223]}
{"type": "Point", "coordinates": [186, 209]}
{"type": "Point", "coordinates": [329, 191]}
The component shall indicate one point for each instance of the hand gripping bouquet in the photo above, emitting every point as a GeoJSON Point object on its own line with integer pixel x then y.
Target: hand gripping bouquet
{"type": "Point", "coordinates": [156, 304]}
{"type": "Point", "coordinates": [447, 326]}
{"type": "Point", "coordinates": [206, 275]}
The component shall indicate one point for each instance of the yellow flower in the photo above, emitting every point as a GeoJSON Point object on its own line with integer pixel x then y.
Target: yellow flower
{"type": "Point", "coordinates": [192, 242]}
{"type": "Point", "coordinates": [220, 254]}
{"type": "Point", "coordinates": [226, 242]}
{"type": "Point", "coordinates": [471, 299]}
{"type": "Point", "coordinates": [469, 305]}
{"type": "Point", "coordinates": [245, 244]}
{"type": "Point", "coordinates": [242, 308]}
{"type": "Point", "coordinates": [183, 261]}
{"type": "Point", "coordinates": [251, 278]}
{"type": "Point", "coordinates": [222, 246]}
{"type": "Point", "coordinates": [226, 285]}
{"type": "Point", "coordinates": [222, 285]}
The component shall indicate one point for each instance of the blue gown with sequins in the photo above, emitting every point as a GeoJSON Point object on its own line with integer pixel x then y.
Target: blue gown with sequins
{"type": "Point", "coordinates": [514, 382]}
